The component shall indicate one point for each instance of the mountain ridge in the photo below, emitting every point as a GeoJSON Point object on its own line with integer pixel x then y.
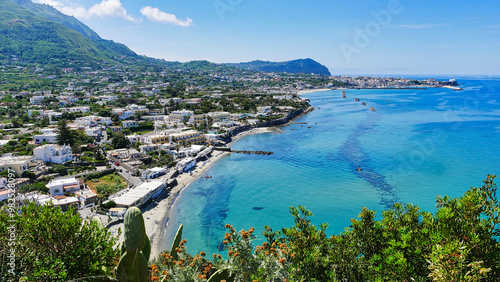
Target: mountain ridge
{"type": "Point", "coordinates": [39, 33]}
{"type": "Point", "coordinates": [306, 66]}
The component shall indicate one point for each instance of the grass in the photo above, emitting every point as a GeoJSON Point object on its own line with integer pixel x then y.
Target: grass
{"type": "Point", "coordinates": [107, 185]}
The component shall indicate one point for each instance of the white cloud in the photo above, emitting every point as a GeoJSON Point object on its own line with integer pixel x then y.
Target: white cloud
{"type": "Point", "coordinates": [155, 15]}
{"type": "Point", "coordinates": [107, 8]}
{"type": "Point", "coordinates": [112, 8]}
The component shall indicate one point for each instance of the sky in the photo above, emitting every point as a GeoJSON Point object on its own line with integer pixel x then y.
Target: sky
{"type": "Point", "coordinates": [350, 37]}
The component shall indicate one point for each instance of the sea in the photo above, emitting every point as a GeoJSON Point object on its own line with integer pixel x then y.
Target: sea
{"type": "Point", "coordinates": [411, 146]}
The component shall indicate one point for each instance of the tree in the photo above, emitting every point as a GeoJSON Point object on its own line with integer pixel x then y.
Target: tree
{"type": "Point", "coordinates": [120, 141]}
{"type": "Point", "coordinates": [64, 134]}
{"type": "Point", "coordinates": [62, 170]}
{"type": "Point", "coordinates": [28, 174]}
{"type": "Point", "coordinates": [52, 245]}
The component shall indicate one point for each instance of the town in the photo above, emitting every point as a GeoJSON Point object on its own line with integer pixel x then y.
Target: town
{"type": "Point", "coordinates": [112, 137]}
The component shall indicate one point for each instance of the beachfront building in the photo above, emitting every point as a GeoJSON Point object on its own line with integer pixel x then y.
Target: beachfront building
{"type": "Point", "coordinates": [48, 135]}
{"type": "Point", "coordinates": [154, 172]}
{"type": "Point", "coordinates": [17, 164]}
{"type": "Point", "coordinates": [53, 153]}
{"type": "Point", "coordinates": [186, 164]}
{"type": "Point", "coordinates": [57, 187]}
{"type": "Point", "coordinates": [218, 116]}
{"type": "Point", "coordinates": [188, 137]}
{"type": "Point", "coordinates": [141, 194]}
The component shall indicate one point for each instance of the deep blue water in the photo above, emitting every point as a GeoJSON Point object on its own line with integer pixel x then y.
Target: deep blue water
{"type": "Point", "coordinates": [417, 144]}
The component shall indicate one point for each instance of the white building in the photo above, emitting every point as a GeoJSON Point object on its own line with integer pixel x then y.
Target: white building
{"type": "Point", "coordinates": [129, 123]}
{"type": "Point", "coordinates": [58, 187]}
{"type": "Point", "coordinates": [94, 131]}
{"type": "Point", "coordinates": [81, 109]}
{"type": "Point", "coordinates": [134, 138]}
{"type": "Point", "coordinates": [264, 110]}
{"type": "Point", "coordinates": [63, 100]}
{"type": "Point", "coordinates": [93, 120]}
{"type": "Point", "coordinates": [86, 197]}
{"type": "Point", "coordinates": [48, 135]}
{"type": "Point", "coordinates": [5, 194]}
{"type": "Point", "coordinates": [141, 194]}
{"type": "Point", "coordinates": [186, 164]}
{"type": "Point", "coordinates": [154, 172]}
{"type": "Point", "coordinates": [53, 153]}
{"type": "Point", "coordinates": [122, 113]}
{"type": "Point", "coordinates": [37, 100]}
{"type": "Point", "coordinates": [108, 98]}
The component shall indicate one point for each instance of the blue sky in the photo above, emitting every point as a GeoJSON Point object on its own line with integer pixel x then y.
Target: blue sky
{"type": "Point", "coordinates": [349, 37]}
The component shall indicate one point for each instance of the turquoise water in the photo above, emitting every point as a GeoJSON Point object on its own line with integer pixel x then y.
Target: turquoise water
{"type": "Point", "coordinates": [417, 144]}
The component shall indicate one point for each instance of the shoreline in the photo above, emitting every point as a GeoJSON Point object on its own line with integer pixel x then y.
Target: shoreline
{"type": "Point", "coordinates": [157, 214]}
{"type": "Point", "coordinates": [307, 91]}
{"type": "Point", "coordinates": [159, 231]}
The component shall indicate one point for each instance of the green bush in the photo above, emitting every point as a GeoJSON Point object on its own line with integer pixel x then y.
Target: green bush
{"type": "Point", "coordinates": [51, 245]}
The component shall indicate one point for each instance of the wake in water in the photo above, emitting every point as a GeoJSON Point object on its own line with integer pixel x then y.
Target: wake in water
{"type": "Point", "coordinates": [352, 153]}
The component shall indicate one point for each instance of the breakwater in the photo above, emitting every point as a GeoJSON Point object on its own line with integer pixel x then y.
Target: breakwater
{"type": "Point", "coordinates": [252, 152]}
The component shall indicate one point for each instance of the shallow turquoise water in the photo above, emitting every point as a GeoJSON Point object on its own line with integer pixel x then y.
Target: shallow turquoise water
{"type": "Point", "coordinates": [417, 144]}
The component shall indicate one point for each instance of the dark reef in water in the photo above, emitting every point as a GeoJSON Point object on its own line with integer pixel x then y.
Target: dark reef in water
{"type": "Point", "coordinates": [352, 153]}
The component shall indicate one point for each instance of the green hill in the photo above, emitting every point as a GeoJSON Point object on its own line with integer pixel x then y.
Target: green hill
{"type": "Point", "coordinates": [50, 13]}
{"type": "Point", "coordinates": [306, 66]}
{"type": "Point", "coordinates": [33, 38]}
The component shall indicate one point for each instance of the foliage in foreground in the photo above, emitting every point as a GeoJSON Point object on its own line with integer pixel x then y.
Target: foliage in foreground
{"type": "Point", "coordinates": [50, 245]}
{"type": "Point", "coordinates": [457, 243]}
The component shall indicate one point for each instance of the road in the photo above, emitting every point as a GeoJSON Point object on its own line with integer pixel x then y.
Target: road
{"type": "Point", "coordinates": [126, 174]}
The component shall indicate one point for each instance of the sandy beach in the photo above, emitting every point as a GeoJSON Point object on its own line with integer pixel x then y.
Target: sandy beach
{"type": "Point", "coordinates": [157, 213]}
{"type": "Point", "coordinates": [301, 92]}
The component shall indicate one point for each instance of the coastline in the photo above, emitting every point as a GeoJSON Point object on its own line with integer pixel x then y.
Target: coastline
{"type": "Point", "coordinates": [301, 92]}
{"type": "Point", "coordinates": [157, 226]}
{"type": "Point", "coordinates": [157, 214]}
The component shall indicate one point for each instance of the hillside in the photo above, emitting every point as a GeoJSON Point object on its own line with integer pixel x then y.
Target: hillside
{"type": "Point", "coordinates": [35, 39]}
{"type": "Point", "coordinates": [50, 13]}
{"type": "Point", "coordinates": [306, 66]}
